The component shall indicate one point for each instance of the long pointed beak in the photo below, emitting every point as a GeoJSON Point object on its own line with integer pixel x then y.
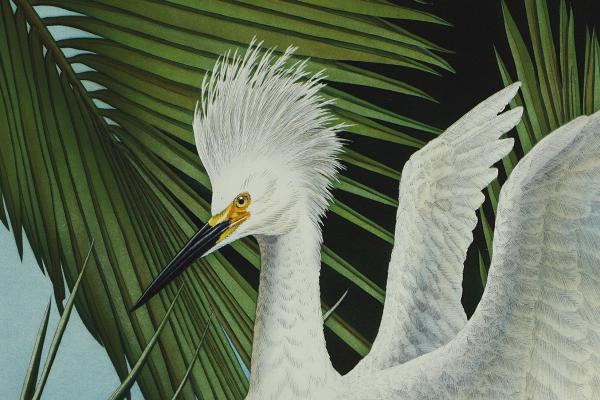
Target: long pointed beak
{"type": "Point", "coordinates": [203, 241]}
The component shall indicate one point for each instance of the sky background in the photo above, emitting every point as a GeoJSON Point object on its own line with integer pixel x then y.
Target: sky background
{"type": "Point", "coordinates": [80, 359]}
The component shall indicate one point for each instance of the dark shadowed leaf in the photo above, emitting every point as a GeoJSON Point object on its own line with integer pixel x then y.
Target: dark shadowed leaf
{"type": "Point", "coordinates": [553, 92]}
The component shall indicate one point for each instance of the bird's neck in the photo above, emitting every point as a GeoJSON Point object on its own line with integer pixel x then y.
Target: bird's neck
{"type": "Point", "coordinates": [289, 355]}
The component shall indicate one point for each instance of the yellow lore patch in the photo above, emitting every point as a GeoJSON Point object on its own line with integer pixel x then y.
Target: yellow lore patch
{"type": "Point", "coordinates": [236, 213]}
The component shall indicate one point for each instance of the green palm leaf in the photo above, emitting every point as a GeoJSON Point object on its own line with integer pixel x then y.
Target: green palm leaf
{"type": "Point", "coordinates": [554, 89]}
{"type": "Point", "coordinates": [127, 176]}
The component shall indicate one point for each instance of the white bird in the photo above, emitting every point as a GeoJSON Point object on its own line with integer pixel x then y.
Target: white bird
{"type": "Point", "coordinates": [269, 146]}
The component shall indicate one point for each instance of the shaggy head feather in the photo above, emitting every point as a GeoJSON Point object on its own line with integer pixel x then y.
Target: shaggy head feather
{"type": "Point", "coordinates": [260, 125]}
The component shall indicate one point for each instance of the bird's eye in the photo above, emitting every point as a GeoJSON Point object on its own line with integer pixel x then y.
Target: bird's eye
{"type": "Point", "coordinates": [242, 200]}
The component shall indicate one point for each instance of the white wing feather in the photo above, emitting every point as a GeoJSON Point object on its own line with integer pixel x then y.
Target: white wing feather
{"type": "Point", "coordinates": [439, 193]}
{"type": "Point", "coordinates": [536, 332]}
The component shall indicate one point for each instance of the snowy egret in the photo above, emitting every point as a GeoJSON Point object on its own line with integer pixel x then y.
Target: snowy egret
{"type": "Point", "coordinates": [269, 146]}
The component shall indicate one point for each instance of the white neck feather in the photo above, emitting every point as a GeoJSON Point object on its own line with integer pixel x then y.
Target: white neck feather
{"type": "Point", "coordinates": [289, 356]}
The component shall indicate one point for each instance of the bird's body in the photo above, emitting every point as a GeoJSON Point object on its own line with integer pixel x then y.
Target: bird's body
{"type": "Point", "coordinates": [266, 141]}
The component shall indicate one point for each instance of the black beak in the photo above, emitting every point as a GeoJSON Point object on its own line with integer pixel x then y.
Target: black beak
{"type": "Point", "coordinates": [199, 244]}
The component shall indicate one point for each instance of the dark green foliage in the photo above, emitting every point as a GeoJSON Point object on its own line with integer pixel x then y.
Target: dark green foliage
{"type": "Point", "coordinates": [555, 90]}
{"type": "Point", "coordinates": [68, 177]}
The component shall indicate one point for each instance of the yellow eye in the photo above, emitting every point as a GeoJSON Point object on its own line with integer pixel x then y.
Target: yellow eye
{"type": "Point", "coordinates": [242, 201]}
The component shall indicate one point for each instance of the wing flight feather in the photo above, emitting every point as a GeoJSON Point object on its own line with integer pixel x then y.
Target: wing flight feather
{"type": "Point", "coordinates": [536, 332]}
{"type": "Point", "coordinates": [440, 191]}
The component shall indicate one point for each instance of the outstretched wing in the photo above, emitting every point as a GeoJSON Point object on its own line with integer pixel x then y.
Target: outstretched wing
{"type": "Point", "coordinates": [439, 193]}
{"type": "Point", "coordinates": [536, 332]}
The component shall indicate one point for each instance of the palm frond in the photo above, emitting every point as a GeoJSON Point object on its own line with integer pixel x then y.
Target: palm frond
{"type": "Point", "coordinates": [99, 146]}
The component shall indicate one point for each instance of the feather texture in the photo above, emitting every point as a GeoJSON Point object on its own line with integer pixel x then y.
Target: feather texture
{"type": "Point", "coordinates": [536, 332]}
{"type": "Point", "coordinates": [259, 107]}
{"type": "Point", "coordinates": [439, 193]}
{"type": "Point", "coordinates": [261, 128]}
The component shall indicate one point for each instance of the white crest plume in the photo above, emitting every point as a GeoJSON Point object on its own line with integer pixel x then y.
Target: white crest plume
{"type": "Point", "coordinates": [256, 108]}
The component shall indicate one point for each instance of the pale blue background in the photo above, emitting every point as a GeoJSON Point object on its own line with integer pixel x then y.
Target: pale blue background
{"type": "Point", "coordinates": [81, 369]}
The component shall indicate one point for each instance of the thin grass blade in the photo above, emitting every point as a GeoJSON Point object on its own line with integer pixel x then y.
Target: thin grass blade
{"type": "Point", "coordinates": [332, 309]}
{"type": "Point", "coordinates": [60, 329]}
{"type": "Point", "coordinates": [36, 356]}
{"type": "Point", "coordinates": [192, 361]}
{"type": "Point", "coordinates": [123, 390]}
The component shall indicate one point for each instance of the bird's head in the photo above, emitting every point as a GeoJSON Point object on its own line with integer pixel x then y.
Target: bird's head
{"type": "Point", "coordinates": [269, 147]}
